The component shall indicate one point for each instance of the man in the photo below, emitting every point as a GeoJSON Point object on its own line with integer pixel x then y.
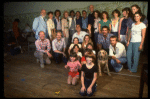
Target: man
{"type": "Point", "coordinates": [91, 21]}
{"type": "Point", "coordinates": [39, 24]}
{"type": "Point", "coordinates": [41, 52]}
{"type": "Point", "coordinates": [104, 39]}
{"type": "Point", "coordinates": [72, 25]}
{"type": "Point", "coordinates": [84, 21]}
{"type": "Point", "coordinates": [59, 46]}
{"type": "Point", "coordinates": [79, 34]}
{"type": "Point", "coordinates": [117, 54]}
{"type": "Point", "coordinates": [78, 18]}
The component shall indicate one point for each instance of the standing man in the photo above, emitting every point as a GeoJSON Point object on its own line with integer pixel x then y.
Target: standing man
{"type": "Point", "coordinates": [39, 24]}
{"type": "Point", "coordinates": [43, 47]}
{"type": "Point", "coordinates": [117, 53]}
{"type": "Point", "coordinates": [84, 21]}
{"type": "Point", "coordinates": [72, 25]}
{"type": "Point", "coordinates": [91, 22]}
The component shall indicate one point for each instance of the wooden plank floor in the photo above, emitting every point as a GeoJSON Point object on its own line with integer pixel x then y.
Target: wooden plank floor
{"type": "Point", "coordinates": [23, 77]}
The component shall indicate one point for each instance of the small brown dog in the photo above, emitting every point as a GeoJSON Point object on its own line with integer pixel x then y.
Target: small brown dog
{"type": "Point", "coordinates": [103, 61]}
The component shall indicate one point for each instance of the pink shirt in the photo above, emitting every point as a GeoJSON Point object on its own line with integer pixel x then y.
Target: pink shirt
{"type": "Point", "coordinates": [74, 66]}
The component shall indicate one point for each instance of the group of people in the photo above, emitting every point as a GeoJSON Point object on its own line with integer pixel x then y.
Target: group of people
{"type": "Point", "coordinates": [122, 38]}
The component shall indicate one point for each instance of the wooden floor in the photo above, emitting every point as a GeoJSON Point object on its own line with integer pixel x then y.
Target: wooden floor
{"type": "Point", "coordinates": [23, 77]}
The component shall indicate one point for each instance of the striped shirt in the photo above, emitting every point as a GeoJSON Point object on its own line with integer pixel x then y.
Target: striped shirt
{"type": "Point", "coordinates": [42, 45]}
{"type": "Point", "coordinates": [58, 45]}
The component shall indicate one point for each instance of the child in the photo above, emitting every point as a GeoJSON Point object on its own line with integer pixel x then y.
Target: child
{"type": "Point", "coordinates": [76, 49]}
{"type": "Point", "coordinates": [88, 77]}
{"type": "Point", "coordinates": [74, 65]}
{"type": "Point", "coordinates": [86, 52]}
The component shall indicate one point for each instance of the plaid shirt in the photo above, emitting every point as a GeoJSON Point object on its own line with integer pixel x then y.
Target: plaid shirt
{"type": "Point", "coordinates": [105, 43]}
{"type": "Point", "coordinates": [41, 46]}
{"type": "Point", "coordinates": [58, 45]}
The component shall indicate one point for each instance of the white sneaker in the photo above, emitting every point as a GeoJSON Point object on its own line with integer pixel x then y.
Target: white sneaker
{"type": "Point", "coordinates": [42, 65]}
{"type": "Point", "coordinates": [121, 68]}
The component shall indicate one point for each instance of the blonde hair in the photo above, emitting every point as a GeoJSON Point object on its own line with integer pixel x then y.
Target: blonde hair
{"type": "Point", "coordinates": [90, 41]}
{"type": "Point", "coordinates": [64, 13]}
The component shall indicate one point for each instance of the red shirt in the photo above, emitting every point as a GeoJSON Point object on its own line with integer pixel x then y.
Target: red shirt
{"type": "Point", "coordinates": [83, 59]}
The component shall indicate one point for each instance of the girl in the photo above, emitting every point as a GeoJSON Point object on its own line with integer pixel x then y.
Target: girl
{"type": "Point", "coordinates": [74, 65]}
{"type": "Point", "coordinates": [115, 22]}
{"type": "Point", "coordinates": [135, 45]}
{"type": "Point", "coordinates": [76, 49]}
{"type": "Point", "coordinates": [123, 25]}
{"type": "Point", "coordinates": [86, 40]}
{"type": "Point", "coordinates": [86, 52]}
{"type": "Point", "coordinates": [88, 77]}
{"type": "Point", "coordinates": [65, 26]}
{"type": "Point", "coordinates": [51, 26]}
{"type": "Point", "coordinates": [75, 41]}
{"type": "Point", "coordinates": [104, 22]}
{"type": "Point", "coordinates": [90, 46]}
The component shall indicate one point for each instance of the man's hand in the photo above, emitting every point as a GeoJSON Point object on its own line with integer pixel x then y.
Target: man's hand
{"type": "Point", "coordinates": [118, 61]}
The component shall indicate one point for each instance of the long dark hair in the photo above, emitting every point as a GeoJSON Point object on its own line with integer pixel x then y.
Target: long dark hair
{"type": "Point", "coordinates": [128, 9]}
{"type": "Point", "coordinates": [140, 12]}
{"type": "Point", "coordinates": [74, 47]}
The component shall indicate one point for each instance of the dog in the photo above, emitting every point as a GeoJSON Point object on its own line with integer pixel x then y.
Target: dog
{"type": "Point", "coordinates": [102, 58]}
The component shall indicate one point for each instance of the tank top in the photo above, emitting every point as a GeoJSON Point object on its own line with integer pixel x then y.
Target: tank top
{"type": "Point", "coordinates": [123, 27]}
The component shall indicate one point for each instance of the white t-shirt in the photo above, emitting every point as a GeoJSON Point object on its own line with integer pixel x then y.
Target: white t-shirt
{"type": "Point", "coordinates": [136, 32]}
{"type": "Point", "coordinates": [80, 36]}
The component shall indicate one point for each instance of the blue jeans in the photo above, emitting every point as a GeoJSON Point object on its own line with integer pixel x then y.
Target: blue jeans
{"type": "Point", "coordinates": [133, 55]}
{"type": "Point", "coordinates": [58, 57]}
{"type": "Point", "coordinates": [87, 83]}
{"type": "Point", "coordinates": [117, 66]}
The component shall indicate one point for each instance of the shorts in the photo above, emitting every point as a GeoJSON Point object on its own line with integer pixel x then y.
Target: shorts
{"type": "Point", "coordinates": [73, 74]}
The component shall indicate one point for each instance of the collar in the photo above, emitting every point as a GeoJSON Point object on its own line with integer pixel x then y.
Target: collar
{"type": "Point", "coordinates": [41, 40]}
{"type": "Point", "coordinates": [60, 40]}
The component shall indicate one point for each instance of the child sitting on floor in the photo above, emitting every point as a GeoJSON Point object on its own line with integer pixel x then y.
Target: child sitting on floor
{"type": "Point", "coordinates": [74, 65]}
{"type": "Point", "coordinates": [88, 77]}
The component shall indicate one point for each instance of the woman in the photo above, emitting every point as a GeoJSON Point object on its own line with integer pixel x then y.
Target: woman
{"type": "Point", "coordinates": [51, 26]}
{"type": "Point", "coordinates": [57, 20]}
{"type": "Point", "coordinates": [104, 22]}
{"type": "Point", "coordinates": [65, 26]}
{"type": "Point", "coordinates": [88, 77]}
{"type": "Point", "coordinates": [115, 22]}
{"type": "Point", "coordinates": [135, 42]}
{"type": "Point", "coordinates": [75, 41]}
{"type": "Point", "coordinates": [135, 8]}
{"type": "Point", "coordinates": [86, 40]}
{"type": "Point", "coordinates": [96, 22]}
{"type": "Point", "coordinates": [123, 25]}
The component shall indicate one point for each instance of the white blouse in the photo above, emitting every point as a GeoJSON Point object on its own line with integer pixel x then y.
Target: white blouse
{"type": "Point", "coordinates": [96, 22]}
{"type": "Point", "coordinates": [114, 28]}
{"type": "Point", "coordinates": [50, 26]}
{"type": "Point", "coordinates": [136, 32]}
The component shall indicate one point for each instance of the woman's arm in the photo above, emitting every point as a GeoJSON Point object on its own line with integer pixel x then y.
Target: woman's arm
{"type": "Point", "coordinates": [119, 29]}
{"type": "Point", "coordinates": [109, 28]}
{"type": "Point", "coordinates": [99, 28]}
{"type": "Point", "coordinates": [143, 37]}
{"type": "Point", "coordinates": [82, 82]}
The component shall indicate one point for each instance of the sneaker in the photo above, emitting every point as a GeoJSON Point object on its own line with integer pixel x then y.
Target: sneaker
{"type": "Point", "coordinates": [42, 65]}
{"type": "Point", "coordinates": [121, 68]}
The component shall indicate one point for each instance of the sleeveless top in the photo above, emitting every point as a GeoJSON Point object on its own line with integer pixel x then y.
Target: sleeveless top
{"type": "Point", "coordinates": [123, 27]}
{"type": "Point", "coordinates": [115, 28]}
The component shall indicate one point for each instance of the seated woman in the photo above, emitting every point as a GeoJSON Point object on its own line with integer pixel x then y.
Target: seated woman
{"type": "Point", "coordinates": [75, 41]}
{"type": "Point", "coordinates": [86, 40]}
{"type": "Point", "coordinates": [76, 49]}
